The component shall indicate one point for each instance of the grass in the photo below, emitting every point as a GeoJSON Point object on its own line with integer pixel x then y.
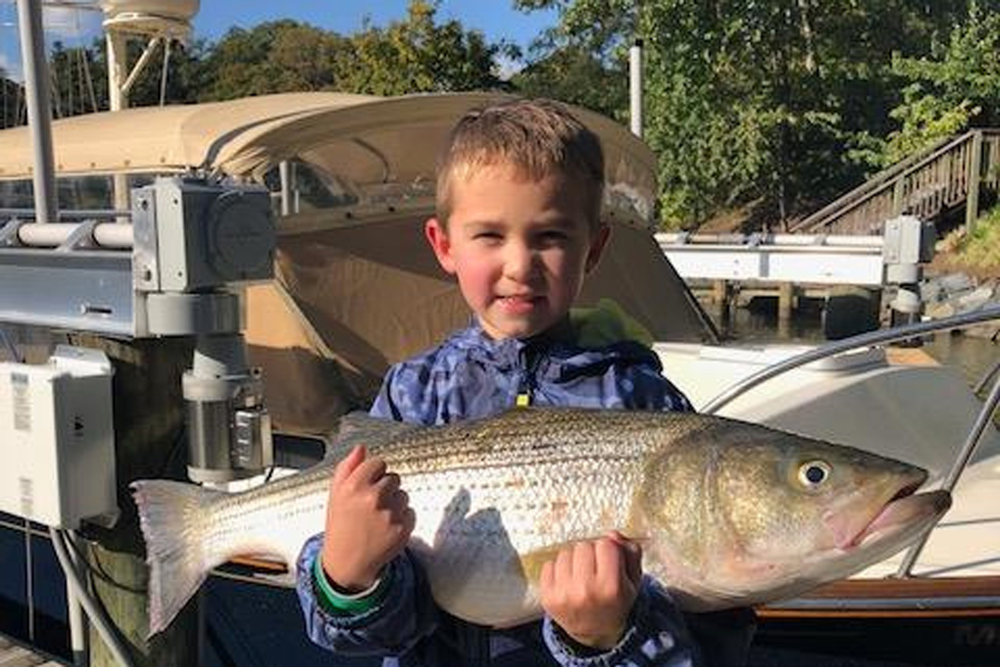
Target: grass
{"type": "Point", "coordinates": [978, 253]}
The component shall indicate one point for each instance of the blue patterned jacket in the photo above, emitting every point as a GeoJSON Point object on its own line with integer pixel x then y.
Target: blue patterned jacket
{"type": "Point", "coordinates": [468, 376]}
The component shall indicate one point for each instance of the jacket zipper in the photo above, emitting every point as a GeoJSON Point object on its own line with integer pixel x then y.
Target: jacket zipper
{"type": "Point", "coordinates": [528, 383]}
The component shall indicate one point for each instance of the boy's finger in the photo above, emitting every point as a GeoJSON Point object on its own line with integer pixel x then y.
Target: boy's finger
{"type": "Point", "coordinates": [400, 499]}
{"type": "Point", "coordinates": [349, 463]}
{"type": "Point", "coordinates": [631, 551]}
{"type": "Point", "coordinates": [563, 566]}
{"type": "Point", "coordinates": [609, 559]}
{"type": "Point", "coordinates": [585, 561]}
{"type": "Point", "coordinates": [369, 471]}
{"type": "Point", "coordinates": [408, 522]}
{"type": "Point", "coordinates": [546, 576]}
{"type": "Point", "coordinates": [388, 483]}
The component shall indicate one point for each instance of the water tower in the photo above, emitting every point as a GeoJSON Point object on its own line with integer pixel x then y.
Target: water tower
{"type": "Point", "coordinates": [154, 21]}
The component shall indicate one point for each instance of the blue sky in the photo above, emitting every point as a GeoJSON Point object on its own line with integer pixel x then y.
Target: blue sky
{"type": "Point", "coordinates": [495, 18]}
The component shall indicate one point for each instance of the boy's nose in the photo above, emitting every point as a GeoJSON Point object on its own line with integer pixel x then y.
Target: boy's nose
{"type": "Point", "coordinates": [519, 262]}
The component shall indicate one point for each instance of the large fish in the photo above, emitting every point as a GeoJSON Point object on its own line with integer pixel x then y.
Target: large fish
{"type": "Point", "coordinates": [729, 513]}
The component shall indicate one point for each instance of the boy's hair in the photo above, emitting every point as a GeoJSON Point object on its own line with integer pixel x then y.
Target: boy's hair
{"type": "Point", "coordinates": [536, 137]}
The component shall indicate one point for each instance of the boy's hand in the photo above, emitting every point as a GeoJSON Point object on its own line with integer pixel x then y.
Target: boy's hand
{"type": "Point", "coordinates": [368, 521]}
{"type": "Point", "coordinates": [589, 589]}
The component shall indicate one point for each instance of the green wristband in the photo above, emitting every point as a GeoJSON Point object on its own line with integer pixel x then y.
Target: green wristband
{"type": "Point", "coordinates": [355, 604]}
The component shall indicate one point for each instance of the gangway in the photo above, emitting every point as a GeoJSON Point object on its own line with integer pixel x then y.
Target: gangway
{"type": "Point", "coordinates": [820, 259]}
{"type": "Point", "coordinates": [795, 258]}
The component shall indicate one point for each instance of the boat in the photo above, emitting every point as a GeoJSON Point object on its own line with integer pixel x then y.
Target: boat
{"type": "Point", "coordinates": [355, 288]}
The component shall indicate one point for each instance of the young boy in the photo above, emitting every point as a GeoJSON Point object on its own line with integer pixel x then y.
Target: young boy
{"type": "Point", "coordinates": [518, 224]}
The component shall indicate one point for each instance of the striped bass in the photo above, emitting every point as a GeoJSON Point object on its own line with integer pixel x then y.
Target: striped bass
{"type": "Point", "coordinates": [728, 513]}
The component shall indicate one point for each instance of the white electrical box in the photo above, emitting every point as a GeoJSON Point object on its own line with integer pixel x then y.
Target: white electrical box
{"type": "Point", "coordinates": [57, 458]}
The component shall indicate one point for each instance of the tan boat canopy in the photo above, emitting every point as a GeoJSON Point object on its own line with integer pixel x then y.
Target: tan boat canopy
{"type": "Point", "coordinates": [356, 286]}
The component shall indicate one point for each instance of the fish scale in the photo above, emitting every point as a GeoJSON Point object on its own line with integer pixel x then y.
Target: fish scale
{"type": "Point", "coordinates": [719, 506]}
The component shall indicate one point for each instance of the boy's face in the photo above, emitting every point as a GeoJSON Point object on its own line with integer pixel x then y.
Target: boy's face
{"type": "Point", "coordinates": [520, 248]}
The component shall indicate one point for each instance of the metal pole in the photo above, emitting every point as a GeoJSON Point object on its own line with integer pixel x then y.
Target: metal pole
{"type": "Point", "coordinates": [118, 100]}
{"type": "Point", "coordinates": [36, 85]}
{"type": "Point", "coordinates": [861, 340]}
{"type": "Point", "coordinates": [77, 620]}
{"type": "Point", "coordinates": [286, 187]}
{"type": "Point", "coordinates": [635, 87]}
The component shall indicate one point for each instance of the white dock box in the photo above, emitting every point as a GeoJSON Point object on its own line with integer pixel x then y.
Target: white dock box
{"type": "Point", "coordinates": [57, 459]}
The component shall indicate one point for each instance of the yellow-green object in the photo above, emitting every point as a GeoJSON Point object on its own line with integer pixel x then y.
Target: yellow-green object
{"type": "Point", "coordinates": [606, 323]}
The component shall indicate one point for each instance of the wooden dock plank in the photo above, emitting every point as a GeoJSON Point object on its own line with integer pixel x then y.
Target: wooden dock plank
{"type": "Point", "coordinates": [15, 655]}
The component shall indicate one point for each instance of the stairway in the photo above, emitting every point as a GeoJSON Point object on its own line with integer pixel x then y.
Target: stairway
{"type": "Point", "coordinates": [951, 173]}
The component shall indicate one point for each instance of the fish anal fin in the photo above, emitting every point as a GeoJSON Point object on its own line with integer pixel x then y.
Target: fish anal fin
{"type": "Point", "coordinates": [532, 562]}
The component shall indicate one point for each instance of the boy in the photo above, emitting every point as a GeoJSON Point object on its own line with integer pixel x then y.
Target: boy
{"type": "Point", "coordinates": [518, 224]}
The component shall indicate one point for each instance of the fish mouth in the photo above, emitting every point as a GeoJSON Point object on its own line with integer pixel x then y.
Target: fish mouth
{"type": "Point", "coordinates": [904, 512]}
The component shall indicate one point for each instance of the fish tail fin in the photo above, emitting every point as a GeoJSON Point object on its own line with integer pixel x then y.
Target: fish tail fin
{"type": "Point", "coordinates": [172, 516]}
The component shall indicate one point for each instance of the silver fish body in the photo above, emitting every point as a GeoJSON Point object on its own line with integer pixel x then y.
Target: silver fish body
{"type": "Point", "coordinates": [728, 513]}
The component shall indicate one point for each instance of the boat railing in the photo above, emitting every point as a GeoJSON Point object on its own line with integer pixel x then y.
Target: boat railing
{"type": "Point", "coordinates": [883, 337]}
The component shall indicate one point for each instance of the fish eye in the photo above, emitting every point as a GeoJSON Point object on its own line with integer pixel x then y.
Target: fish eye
{"type": "Point", "coordinates": [814, 473]}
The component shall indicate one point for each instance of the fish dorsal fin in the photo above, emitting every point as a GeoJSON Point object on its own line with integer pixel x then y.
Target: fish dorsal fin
{"type": "Point", "coordinates": [360, 428]}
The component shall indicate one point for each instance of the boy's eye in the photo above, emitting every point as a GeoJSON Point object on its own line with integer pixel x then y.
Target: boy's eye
{"type": "Point", "coordinates": [553, 237]}
{"type": "Point", "coordinates": [487, 236]}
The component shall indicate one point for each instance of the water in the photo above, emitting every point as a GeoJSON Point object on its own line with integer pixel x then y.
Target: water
{"type": "Point", "coordinates": [970, 355]}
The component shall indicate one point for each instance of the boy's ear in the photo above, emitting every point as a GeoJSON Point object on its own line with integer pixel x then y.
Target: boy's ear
{"type": "Point", "coordinates": [437, 236]}
{"type": "Point", "coordinates": [597, 244]}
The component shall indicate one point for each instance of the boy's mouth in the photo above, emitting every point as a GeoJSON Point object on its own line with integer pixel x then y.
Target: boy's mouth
{"type": "Point", "coordinates": [520, 301]}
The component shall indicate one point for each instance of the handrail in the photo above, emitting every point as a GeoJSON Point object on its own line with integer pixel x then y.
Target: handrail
{"type": "Point", "coordinates": [874, 185]}
{"type": "Point", "coordinates": [66, 214]}
{"type": "Point", "coordinates": [867, 339]}
{"type": "Point", "coordinates": [887, 178]}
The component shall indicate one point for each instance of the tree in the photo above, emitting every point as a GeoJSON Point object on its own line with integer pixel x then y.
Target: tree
{"type": "Point", "coordinates": [575, 75]}
{"type": "Point", "coordinates": [273, 57]}
{"type": "Point", "coordinates": [408, 56]}
{"type": "Point", "coordinates": [775, 104]}
{"type": "Point", "coordinates": [12, 110]}
{"type": "Point", "coordinates": [956, 86]}
{"type": "Point", "coordinates": [419, 55]}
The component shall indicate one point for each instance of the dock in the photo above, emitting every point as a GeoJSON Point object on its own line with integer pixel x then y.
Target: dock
{"type": "Point", "coordinates": [17, 655]}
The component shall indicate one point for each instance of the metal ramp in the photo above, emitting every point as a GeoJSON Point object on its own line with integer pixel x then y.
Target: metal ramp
{"type": "Point", "coordinates": [16, 655]}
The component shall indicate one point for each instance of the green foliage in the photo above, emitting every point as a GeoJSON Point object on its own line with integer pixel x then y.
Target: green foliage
{"type": "Point", "coordinates": [275, 57]}
{"type": "Point", "coordinates": [955, 86]}
{"type": "Point", "coordinates": [11, 101]}
{"type": "Point", "coordinates": [775, 104]}
{"type": "Point", "coordinates": [576, 76]}
{"type": "Point", "coordinates": [418, 55]}
{"type": "Point", "coordinates": [409, 56]}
